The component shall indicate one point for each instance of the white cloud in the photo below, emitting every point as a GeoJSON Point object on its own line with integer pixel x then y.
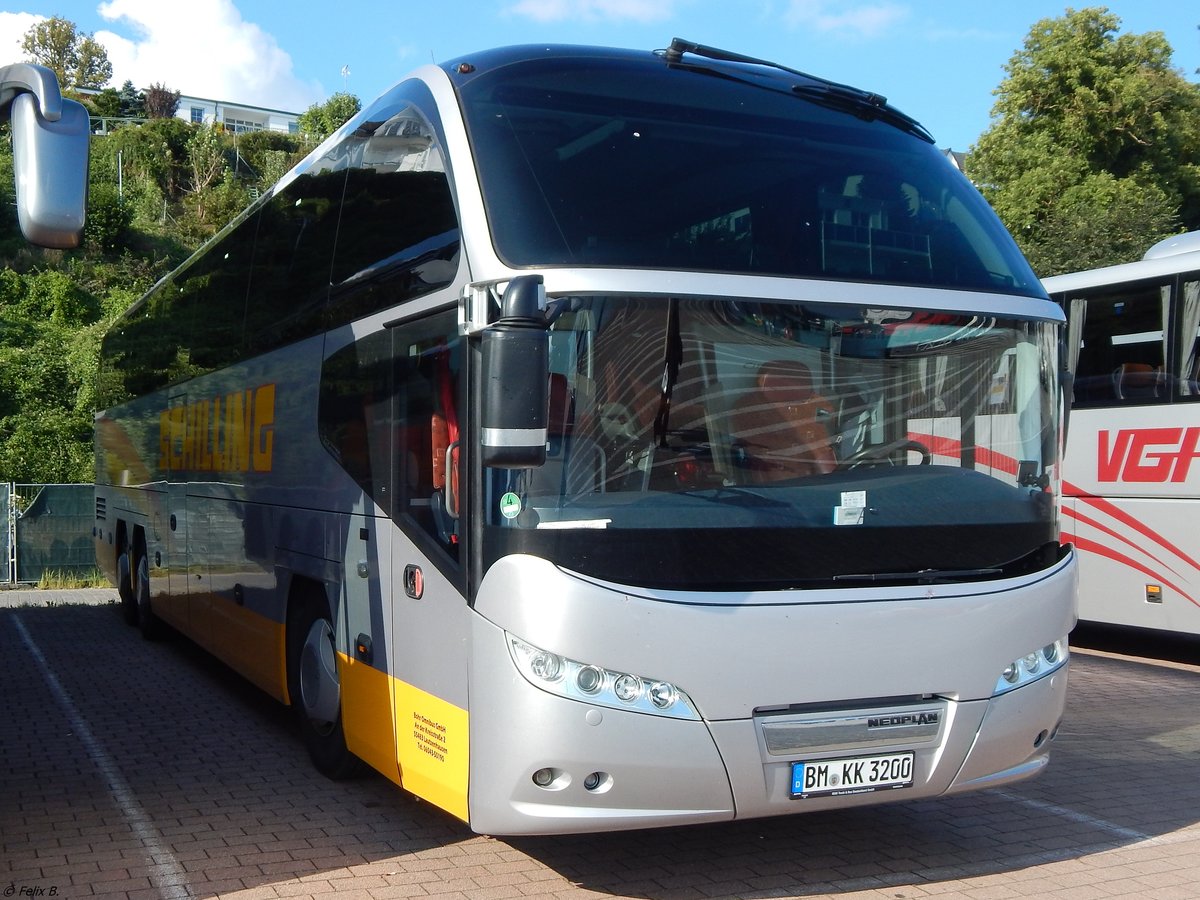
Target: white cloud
{"type": "Point", "coordinates": [857, 19]}
{"type": "Point", "coordinates": [644, 11]}
{"type": "Point", "coordinates": [203, 48]}
{"type": "Point", "coordinates": [12, 29]}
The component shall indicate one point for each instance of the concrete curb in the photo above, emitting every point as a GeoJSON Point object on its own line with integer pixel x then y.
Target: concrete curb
{"type": "Point", "coordinates": [19, 597]}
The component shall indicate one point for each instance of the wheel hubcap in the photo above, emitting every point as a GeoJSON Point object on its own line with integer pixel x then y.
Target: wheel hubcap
{"type": "Point", "coordinates": [320, 690]}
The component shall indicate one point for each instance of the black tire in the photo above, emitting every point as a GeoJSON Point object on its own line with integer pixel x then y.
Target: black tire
{"type": "Point", "coordinates": [151, 625]}
{"type": "Point", "coordinates": [314, 686]}
{"type": "Point", "coordinates": [129, 608]}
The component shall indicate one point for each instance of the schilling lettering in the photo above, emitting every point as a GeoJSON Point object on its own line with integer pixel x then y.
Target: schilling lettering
{"type": "Point", "coordinates": [230, 433]}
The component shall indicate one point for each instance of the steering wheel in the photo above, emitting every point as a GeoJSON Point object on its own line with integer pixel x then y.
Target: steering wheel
{"type": "Point", "coordinates": [881, 455]}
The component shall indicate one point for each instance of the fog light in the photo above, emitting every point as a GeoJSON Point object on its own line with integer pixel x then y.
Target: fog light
{"type": "Point", "coordinates": [598, 783]}
{"type": "Point", "coordinates": [543, 777]}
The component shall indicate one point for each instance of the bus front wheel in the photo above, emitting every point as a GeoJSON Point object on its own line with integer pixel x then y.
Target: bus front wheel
{"type": "Point", "coordinates": [129, 609]}
{"type": "Point", "coordinates": [314, 685]}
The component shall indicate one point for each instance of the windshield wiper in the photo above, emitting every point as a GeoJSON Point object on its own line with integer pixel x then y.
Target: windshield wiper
{"type": "Point", "coordinates": [672, 358]}
{"type": "Point", "coordinates": [865, 104]}
{"type": "Point", "coordinates": [922, 576]}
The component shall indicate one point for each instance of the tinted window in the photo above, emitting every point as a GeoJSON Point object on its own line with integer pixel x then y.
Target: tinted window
{"type": "Point", "coordinates": [1121, 353]}
{"type": "Point", "coordinates": [365, 226]}
{"type": "Point", "coordinates": [293, 252]}
{"type": "Point", "coordinates": [389, 413]}
{"type": "Point", "coordinates": [191, 323]}
{"type": "Point", "coordinates": [624, 162]}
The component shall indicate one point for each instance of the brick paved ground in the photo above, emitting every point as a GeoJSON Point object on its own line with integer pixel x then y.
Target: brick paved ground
{"type": "Point", "coordinates": [132, 769]}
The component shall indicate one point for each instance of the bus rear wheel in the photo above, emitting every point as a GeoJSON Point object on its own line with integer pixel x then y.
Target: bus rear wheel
{"type": "Point", "coordinates": [315, 687]}
{"type": "Point", "coordinates": [150, 625]}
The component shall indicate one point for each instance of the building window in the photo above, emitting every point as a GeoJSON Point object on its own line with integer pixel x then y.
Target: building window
{"type": "Point", "coordinates": [197, 115]}
{"type": "Point", "coordinates": [239, 125]}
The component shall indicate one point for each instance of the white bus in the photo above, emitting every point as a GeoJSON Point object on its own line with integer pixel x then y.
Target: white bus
{"type": "Point", "coordinates": [591, 439]}
{"type": "Point", "coordinates": [1130, 487]}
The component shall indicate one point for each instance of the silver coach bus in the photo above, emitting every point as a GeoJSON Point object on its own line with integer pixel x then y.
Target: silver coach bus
{"type": "Point", "coordinates": [592, 439]}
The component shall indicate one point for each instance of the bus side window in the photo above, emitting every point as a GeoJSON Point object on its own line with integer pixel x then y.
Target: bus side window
{"type": "Point", "coordinates": [427, 359]}
{"type": "Point", "coordinates": [1121, 356]}
{"type": "Point", "coordinates": [354, 411]}
{"type": "Point", "coordinates": [388, 414]}
{"type": "Point", "coordinates": [293, 247]}
{"type": "Point", "coordinates": [1188, 300]}
{"type": "Point", "coordinates": [398, 235]}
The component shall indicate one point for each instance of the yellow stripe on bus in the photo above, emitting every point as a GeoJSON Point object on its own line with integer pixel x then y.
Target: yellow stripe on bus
{"type": "Point", "coordinates": [366, 719]}
{"type": "Point", "coordinates": [432, 744]}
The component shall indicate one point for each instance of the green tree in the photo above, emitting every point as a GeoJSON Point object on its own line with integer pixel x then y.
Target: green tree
{"type": "Point", "coordinates": [206, 159]}
{"type": "Point", "coordinates": [55, 305]}
{"type": "Point", "coordinates": [1094, 148]}
{"type": "Point", "coordinates": [76, 58]}
{"type": "Point", "coordinates": [322, 119]}
{"type": "Point", "coordinates": [107, 103]}
{"type": "Point", "coordinates": [133, 101]}
{"type": "Point", "coordinates": [156, 152]}
{"type": "Point", "coordinates": [47, 360]}
{"type": "Point", "coordinates": [263, 157]}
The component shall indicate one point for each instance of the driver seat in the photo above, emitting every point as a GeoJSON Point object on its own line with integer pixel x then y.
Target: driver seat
{"type": "Point", "coordinates": [784, 427]}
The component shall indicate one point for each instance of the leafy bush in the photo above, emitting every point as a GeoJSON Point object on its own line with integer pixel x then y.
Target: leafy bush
{"type": "Point", "coordinates": [108, 218]}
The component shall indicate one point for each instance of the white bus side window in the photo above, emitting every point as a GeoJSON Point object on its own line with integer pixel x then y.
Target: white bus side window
{"type": "Point", "coordinates": [1122, 352]}
{"type": "Point", "coordinates": [1188, 300]}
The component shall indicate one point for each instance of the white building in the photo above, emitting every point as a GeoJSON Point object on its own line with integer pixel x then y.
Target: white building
{"type": "Point", "coordinates": [236, 116]}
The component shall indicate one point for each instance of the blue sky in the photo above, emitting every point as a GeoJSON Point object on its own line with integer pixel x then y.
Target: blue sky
{"type": "Point", "coordinates": [938, 60]}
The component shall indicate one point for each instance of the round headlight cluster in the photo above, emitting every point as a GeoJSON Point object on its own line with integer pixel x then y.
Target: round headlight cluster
{"type": "Point", "coordinates": [594, 684]}
{"type": "Point", "coordinates": [1032, 666]}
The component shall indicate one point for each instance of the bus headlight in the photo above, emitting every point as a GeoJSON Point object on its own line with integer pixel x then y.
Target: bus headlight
{"type": "Point", "coordinates": [1032, 666]}
{"type": "Point", "coordinates": [594, 684]}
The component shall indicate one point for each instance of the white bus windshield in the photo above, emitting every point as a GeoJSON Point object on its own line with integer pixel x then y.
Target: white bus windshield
{"type": "Point", "coordinates": [610, 162]}
{"type": "Point", "coordinates": [704, 443]}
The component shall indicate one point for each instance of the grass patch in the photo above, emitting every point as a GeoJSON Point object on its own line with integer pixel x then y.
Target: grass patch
{"type": "Point", "coordinates": [54, 579]}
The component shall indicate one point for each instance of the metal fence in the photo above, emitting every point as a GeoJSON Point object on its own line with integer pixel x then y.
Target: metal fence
{"type": "Point", "coordinates": [47, 528]}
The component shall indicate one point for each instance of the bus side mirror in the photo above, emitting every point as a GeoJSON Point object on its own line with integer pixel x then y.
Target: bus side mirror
{"type": "Point", "coordinates": [50, 156]}
{"type": "Point", "coordinates": [516, 366]}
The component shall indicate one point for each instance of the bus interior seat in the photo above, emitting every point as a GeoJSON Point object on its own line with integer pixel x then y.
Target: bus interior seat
{"type": "Point", "coordinates": [1137, 381]}
{"type": "Point", "coordinates": [784, 427]}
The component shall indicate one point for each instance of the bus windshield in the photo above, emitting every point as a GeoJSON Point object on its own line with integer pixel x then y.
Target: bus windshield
{"type": "Point", "coordinates": [610, 162]}
{"type": "Point", "coordinates": [707, 443]}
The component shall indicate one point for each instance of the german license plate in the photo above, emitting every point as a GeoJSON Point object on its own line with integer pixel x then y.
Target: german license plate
{"type": "Point", "coordinates": [852, 775]}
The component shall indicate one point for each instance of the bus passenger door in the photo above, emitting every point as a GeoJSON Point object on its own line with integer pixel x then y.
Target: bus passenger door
{"type": "Point", "coordinates": [362, 642]}
{"type": "Point", "coordinates": [429, 612]}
